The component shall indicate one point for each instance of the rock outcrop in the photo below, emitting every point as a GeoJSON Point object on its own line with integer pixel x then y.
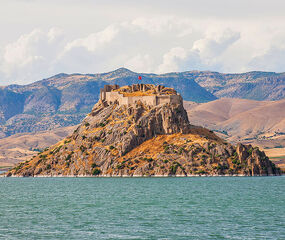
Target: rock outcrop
{"type": "Point", "coordinates": [144, 140]}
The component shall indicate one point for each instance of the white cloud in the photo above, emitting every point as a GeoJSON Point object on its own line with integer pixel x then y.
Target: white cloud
{"type": "Point", "coordinates": [140, 63]}
{"type": "Point", "coordinates": [28, 57]}
{"type": "Point", "coordinates": [272, 60]}
{"type": "Point", "coordinates": [215, 44]}
{"type": "Point", "coordinates": [206, 53]}
{"type": "Point", "coordinates": [54, 33]}
{"type": "Point", "coordinates": [22, 51]}
{"type": "Point", "coordinates": [162, 24]}
{"type": "Point", "coordinates": [145, 44]}
{"type": "Point", "coordinates": [171, 60]}
{"type": "Point", "coordinates": [95, 40]}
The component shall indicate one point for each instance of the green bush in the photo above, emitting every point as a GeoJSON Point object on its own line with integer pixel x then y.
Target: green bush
{"type": "Point", "coordinates": [19, 166]}
{"type": "Point", "coordinates": [96, 138]}
{"type": "Point", "coordinates": [93, 165]}
{"type": "Point", "coordinates": [57, 149]}
{"type": "Point", "coordinates": [96, 171]}
{"type": "Point", "coordinates": [120, 166]}
{"type": "Point", "coordinates": [82, 148]}
{"type": "Point", "coordinates": [67, 141]}
{"type": "Point", "coordinates": [166, 148]}
{"type": "Point", "coordinates": [249, 151]}
{"type": "Point", "coordinates": [148, 159]}
{"type": "Point", "coordinates": [235, 161]}
{"type": "Point", "coordinates": [43, 156]}
{"type": "Point", "coordinates": [68, 157]}
{"type": "Point", "coordinates": [173, 168]}
{"type": "Point", "coordinates": [201, 172]}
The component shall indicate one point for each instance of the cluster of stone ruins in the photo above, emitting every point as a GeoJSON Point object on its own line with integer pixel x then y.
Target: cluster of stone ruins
{"type": "Point", "coordinates": [148, 94]}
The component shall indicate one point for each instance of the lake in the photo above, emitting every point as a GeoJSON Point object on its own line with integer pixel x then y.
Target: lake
{"type": "Point", "coordinates": [143, 208]}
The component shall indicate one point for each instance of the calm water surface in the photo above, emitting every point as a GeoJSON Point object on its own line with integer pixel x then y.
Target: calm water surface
{"type": "Point", "coordinates": [142, 208]}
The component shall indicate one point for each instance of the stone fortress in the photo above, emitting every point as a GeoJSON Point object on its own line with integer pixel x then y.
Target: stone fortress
{"type": "Point", "coordinates": [148, 94]}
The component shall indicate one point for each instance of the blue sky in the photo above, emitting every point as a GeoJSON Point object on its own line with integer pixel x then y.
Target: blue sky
{"type": "Point", "coordinates": [42, 38]}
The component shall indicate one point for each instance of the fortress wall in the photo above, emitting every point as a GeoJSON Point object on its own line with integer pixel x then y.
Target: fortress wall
{"type": "Point", "coordinates": [114, 96]}
{"type": "Point", "coordinates": [163, 99]}
{"type": "Point", "coordinates": [173, 99]}
{"type": "Point", "coordinates": [111, 96]}
{"type": "Point", "coordinates": [176, 99]}
{"type": "Point", "coordinates": [149, 100]}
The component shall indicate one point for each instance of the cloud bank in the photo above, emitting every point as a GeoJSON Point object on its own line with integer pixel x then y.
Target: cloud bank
{"type": "Point", "coordinates": [158, 43]}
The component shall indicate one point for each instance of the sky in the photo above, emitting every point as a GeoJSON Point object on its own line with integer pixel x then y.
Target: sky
{"type": "Point", "coordinates": [42, 38]}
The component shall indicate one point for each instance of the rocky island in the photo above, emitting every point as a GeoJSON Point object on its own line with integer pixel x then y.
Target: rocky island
{"type": "Point", "coordinates": [143, 130]}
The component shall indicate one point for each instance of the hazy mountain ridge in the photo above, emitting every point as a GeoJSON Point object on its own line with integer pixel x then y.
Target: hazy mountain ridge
{"type": "Point", "coordinates": [251, 85]}
{"type": "Point", "coordinates": [64, 99]}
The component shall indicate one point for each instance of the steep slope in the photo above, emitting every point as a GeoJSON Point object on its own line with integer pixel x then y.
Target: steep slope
{"type": "Point", "coordinates": [144, 140]}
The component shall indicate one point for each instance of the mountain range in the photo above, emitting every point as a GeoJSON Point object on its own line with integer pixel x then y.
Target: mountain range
{"type": "Point", "coordinates": [64, 99]}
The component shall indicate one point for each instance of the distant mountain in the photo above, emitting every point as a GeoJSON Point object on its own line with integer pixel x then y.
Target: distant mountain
{"type": "Point", "coordinates": [64, 99]}
{"type": "Point", "coordinates": [251, 85]}
{"type": "Point", "coordinates": [242, 120]}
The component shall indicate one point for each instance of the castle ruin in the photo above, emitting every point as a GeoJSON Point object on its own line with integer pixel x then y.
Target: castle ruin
{"type": "Point", "coordinates": [148, 94]}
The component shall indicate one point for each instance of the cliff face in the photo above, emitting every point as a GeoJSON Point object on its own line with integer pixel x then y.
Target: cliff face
{"type": "Point", "coordinates": [142, 140]}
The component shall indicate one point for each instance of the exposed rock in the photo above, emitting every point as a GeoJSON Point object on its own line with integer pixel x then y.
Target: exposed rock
{"type": "Point", "coordinates": [144, 140]}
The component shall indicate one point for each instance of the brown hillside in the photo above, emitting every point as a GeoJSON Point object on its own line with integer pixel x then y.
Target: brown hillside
{"type": "Point", "coordinates": [22, 147]}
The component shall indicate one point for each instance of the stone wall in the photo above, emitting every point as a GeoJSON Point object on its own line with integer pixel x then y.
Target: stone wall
{"type": "Point", "coordinates": [108, 95]}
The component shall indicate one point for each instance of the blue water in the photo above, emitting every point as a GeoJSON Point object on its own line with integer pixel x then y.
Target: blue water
{"type": "Point", "coordinates": [143, 208]}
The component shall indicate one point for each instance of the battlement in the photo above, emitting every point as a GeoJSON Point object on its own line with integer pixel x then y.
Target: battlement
{"type": "Point", "coordinates": [148, 94]}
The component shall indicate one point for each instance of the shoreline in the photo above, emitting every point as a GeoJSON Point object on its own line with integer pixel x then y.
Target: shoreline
{"type": "Point", "coordinates": [137, 176]}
